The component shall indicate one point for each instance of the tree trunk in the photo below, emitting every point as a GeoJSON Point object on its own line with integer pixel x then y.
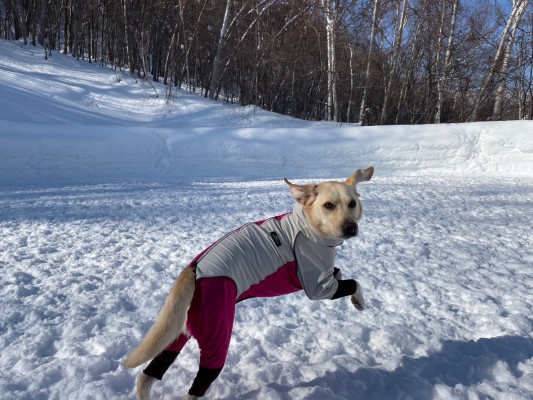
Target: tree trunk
{"type": "Point", "coordinates": [444, 70]}
{"type": "Point", "coordinates": [352, 84]}
{"type": "Point", "coordinates": [369, 61]}
{"type": "Point", "coordinates": [127, 36]}
{"type": "Point", "coordinates": [497, 57]}
{"type": "Point", "coordinates": [42, 36]}
{"type": "Point", "coordinates": [521, 84]}
{"type": "Point", "coordinates": [398, 37]}
{"type": "Point", "coordinates": [498, 102]}
{"type": "Point", "coordinates": [215, 74]}
{"type": "Point", "coordinates": [21, 19]}
{"type": "Point", "coordinates": [66, 6]}
{"type": "Point", "coordinates": [443, 79]}
{"type": "Point", "coordinates": [330, 10]}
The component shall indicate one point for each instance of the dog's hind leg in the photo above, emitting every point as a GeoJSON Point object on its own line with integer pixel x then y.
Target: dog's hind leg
{"type": "Point", "coordinates": [162, 362]}
{"type": "Point", "coordinates": [157, 368]}
{"type": "Point", "coordinates": [211, 323]}
{"type": "Point", "coordinates": [144, 385]}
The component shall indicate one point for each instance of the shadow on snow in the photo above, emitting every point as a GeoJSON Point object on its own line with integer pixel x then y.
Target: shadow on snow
{"type": "Point", "coordinates": [457, 363]}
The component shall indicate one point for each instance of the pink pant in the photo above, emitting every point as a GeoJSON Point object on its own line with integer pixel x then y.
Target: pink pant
{"type": "Point", "coordinates": [210, 320]}
{"type": "Point", "coordinates": [212, 312]}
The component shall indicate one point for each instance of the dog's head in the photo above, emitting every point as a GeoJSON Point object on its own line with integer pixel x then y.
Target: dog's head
{"type": "Point", "coordinates": [332, 208]}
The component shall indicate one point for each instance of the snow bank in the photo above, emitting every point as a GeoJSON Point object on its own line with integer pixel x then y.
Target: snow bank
{"type": "Point", "coordinates": [77, 152]}
{"type": "Point", "coordinates": [63, 120]}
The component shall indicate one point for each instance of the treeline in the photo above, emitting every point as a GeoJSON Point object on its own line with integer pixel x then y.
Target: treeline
{"type": "Point", "coordinates": [375, 61]}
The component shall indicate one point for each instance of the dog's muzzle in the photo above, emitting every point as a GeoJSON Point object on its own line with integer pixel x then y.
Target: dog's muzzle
{"type": "Point", "coordinates": [349, 228]}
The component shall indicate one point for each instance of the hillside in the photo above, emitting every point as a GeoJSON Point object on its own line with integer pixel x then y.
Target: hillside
{"type": "Point", "coordinates": [63, 120]}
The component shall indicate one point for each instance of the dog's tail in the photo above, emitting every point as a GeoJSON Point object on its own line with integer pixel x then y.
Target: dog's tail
{"type": "Point", "coordinates": [170, 321]}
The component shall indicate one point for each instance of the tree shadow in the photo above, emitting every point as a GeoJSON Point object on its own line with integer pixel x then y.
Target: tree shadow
{"type": "Point", "coordinates": [457, 363]}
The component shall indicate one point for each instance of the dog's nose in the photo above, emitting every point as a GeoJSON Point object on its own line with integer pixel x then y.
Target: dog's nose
{"type": "Point", "coordinates": [350, 228]}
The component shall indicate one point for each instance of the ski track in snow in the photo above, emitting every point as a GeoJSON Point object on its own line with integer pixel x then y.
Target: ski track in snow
{"type": "Point", "coordinates": [445, 265]}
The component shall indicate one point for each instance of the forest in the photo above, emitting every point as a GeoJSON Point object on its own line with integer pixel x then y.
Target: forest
{"type": "Point", "coordinates": [369, 61]}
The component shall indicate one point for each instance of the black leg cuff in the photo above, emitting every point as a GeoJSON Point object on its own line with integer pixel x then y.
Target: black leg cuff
{"type": "Point", "coordinates": [160, 364]}
{"type": "Point", "coordinates": [204, 378]}
{"type": "Point", "coordinates": [346, 288]}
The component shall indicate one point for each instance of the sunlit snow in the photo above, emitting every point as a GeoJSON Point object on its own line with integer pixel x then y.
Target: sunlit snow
{"type": "Point", "coordinates": [107, 191]}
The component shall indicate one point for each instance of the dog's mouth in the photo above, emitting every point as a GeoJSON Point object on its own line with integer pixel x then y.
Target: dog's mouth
{"type": "Point", "coordinates": [349, 229]}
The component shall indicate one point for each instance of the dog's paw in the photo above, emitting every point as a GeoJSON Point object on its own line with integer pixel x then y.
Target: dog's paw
{"type": "Point", "coordinates": [144, 384]}
{"type": "Point", "coordinates": [357, 298]}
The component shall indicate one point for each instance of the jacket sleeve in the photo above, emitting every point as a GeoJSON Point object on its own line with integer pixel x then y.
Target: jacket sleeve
{"type": "Point", "coordinates": [315, 268]}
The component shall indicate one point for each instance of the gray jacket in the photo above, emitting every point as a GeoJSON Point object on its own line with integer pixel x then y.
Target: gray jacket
{"type": "Point", "coordinates": [256, 250]}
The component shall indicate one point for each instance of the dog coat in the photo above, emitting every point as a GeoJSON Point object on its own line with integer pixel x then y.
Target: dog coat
{"type": "Point", "coordinates": [258, 250]}
{"type": "Point", "coordinates": [278, 256]}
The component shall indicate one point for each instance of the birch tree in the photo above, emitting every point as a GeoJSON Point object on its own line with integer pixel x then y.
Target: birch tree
{"type": "Point", "coordinates": [520, 7]}
{"type": "Point", "coordinates": [352, 85]}
{"type": "Point", "coordinates": [366, 79]}
{"type": "Point", "coordinates": [442, 81]}
{"type": "Point", "coordinates": [129, 52]}
{"type": "Point", "coordinates": [410, 65]}
{"type": "Point", "coordinates": [215, 75]}
{"type": "Point", "coordinates": [511, 21]}
{"type": "Point", "coordinates": [398, 37]}
{"type": "Point", "coordinates": [329, 8]}
{"type": "Point", "coordinates": [524, 71]}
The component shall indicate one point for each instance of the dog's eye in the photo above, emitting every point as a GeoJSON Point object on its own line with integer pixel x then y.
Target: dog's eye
{"type": "Point", "coordinates": [329, 206]}
{"type": "Point", "coordinates": [352, 204]}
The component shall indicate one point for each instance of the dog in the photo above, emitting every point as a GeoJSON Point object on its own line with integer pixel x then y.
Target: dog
{"type": "Point", "coordinates": [278, 256]}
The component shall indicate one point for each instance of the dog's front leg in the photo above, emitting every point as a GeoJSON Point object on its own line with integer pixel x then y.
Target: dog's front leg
{"type": "Point", "coordinates": [357, 298]}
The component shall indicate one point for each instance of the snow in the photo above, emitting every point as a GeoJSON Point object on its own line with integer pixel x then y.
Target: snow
{"type": "Point", "coordinates": [66, 121]}
{"type": "Point", "coordinates": [106, 192]}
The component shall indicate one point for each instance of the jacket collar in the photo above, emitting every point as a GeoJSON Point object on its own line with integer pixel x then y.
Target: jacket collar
{"type": "Point", "coordinates": [301, 220]}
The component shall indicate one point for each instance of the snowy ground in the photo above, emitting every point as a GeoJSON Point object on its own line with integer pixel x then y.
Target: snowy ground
{"type": "Point", "coordinates": [445, 264]}
{"type": "Point", "coordinates": [106, 192]}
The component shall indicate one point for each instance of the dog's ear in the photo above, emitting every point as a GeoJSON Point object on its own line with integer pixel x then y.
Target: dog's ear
{"type": "Point", "coordinates": [361, 175]}
{"type": "Point", "coordinates": [304, 194]}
